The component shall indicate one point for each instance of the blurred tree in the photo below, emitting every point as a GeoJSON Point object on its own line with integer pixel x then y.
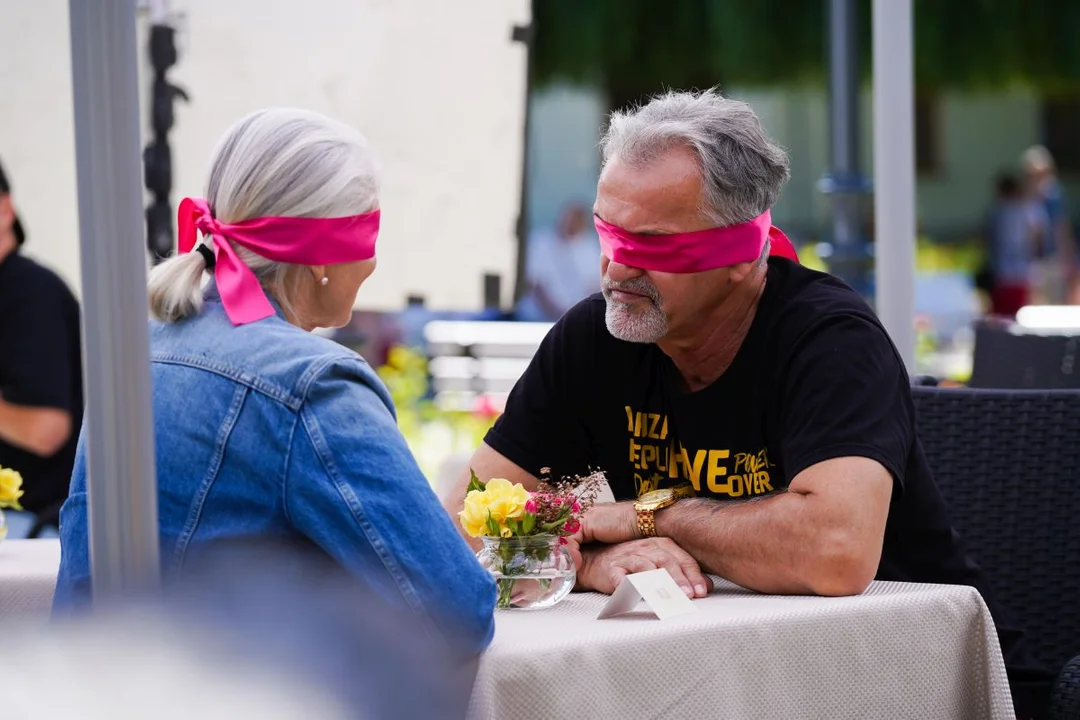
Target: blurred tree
{"type": "Point", "coordinates": [635, 47]}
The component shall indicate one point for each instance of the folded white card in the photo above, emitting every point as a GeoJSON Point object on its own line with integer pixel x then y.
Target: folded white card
{"type": "Point", "coordinates": [657, 588]}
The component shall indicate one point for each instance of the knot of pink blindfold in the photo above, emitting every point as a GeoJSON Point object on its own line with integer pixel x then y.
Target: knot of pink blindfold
{"type": "Point", "coordinates": [298, 241]}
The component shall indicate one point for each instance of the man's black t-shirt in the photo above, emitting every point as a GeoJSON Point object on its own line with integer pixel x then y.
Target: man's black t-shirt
{"type": "Point", "coordinates": [817, 377]}
{"type": "Point", "coordinates": [40, 366]}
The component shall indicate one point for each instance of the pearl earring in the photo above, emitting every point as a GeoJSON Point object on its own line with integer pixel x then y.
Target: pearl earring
{"type": "Point", "coordinates": [324, 281]}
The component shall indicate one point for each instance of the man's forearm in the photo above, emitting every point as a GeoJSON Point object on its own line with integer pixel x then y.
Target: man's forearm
{"type": "Point", "coordinates": [42, 431]}
{"type": "Point", "coordinates": [780, 544]}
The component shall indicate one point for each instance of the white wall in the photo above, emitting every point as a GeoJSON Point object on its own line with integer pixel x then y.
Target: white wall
{"type": "Point", "coordinates": [37, 141]}
{"type": "Point", "coordinates": [438, 88]}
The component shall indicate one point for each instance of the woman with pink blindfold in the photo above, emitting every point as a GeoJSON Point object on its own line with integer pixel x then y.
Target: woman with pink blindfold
{"type": "Point", "coordinates": [264, 429]}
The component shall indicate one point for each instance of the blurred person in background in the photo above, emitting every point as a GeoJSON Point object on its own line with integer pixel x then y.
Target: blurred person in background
{"type": "Point", "coordinates": [1058, 272]}
{"type": "Point", "coordinates": [1017, 227]}
{"type": "Point", "coordinates": [264, 429]}
{"type": "Point", "coordinates": [41, 402]}
{"type": "Point", "coordinates": [561, 266]}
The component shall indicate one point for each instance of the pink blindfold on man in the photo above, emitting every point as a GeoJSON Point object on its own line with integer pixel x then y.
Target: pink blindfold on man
{"type": "Point", "coordinates": [694, 252]}
{"type": "Point", "coordinates": [299, 241]}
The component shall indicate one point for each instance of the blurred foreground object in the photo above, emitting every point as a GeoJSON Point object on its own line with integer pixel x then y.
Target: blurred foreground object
{"type": "Point", "coordinates": [257, 629]}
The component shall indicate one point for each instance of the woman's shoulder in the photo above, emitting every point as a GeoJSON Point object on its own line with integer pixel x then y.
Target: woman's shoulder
{"type": "Point", "coordinates": [269, 355]}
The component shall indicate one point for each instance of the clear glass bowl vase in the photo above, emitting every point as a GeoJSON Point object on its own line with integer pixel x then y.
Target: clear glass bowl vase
{"type": "Point", "coordinates": [532, 572]}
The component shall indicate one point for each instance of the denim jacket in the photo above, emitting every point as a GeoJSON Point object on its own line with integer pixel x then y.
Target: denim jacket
{"type": "Point", "coordinates": [264, 430]}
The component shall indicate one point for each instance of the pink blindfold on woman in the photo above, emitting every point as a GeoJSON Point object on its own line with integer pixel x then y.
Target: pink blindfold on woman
{"type": "Point", "coordinates": [299, 241]}
{"type": "Point", "coordinates": [693, 252]}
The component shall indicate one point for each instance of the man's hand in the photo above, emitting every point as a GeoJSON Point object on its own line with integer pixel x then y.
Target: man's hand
{"type": "Point", "coordinates": [603, 568]}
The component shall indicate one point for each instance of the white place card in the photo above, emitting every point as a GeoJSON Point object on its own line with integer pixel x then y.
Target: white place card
{"type": "Point", "coordinates": [657, 588]}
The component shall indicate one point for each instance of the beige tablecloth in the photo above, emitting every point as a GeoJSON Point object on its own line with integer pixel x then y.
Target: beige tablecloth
{"type": "Point", "coordinates": [27, 578]}
{"type": "Point", "coordinates": [897, 651]}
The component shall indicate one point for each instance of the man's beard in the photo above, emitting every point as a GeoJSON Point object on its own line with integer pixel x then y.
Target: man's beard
{"type": "Point", "coordinates": [642, 322]}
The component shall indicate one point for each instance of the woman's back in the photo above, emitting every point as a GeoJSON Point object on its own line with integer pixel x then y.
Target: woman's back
{"type": "Point", "coordinates": [264, 430]}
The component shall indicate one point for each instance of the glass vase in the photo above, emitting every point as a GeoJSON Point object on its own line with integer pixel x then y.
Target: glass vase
{"type": "Point", "coordinates": [532, 572]}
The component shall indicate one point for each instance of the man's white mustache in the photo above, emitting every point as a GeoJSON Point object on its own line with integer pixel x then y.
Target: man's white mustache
{"type": "Point", "coordinates": [642, 288]}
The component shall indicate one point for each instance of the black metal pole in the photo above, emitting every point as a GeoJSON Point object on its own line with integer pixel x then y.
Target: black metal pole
{"type": "Point", "coordinates": [524, 34]}
{"type": "Point", "coordinates": [157, 156]}
{"type": "Point", "coordinates": [845, 181]}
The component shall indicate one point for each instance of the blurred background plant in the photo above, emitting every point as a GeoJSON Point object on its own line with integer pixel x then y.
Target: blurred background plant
{"type": "Point", "coordinates": [433, 433]}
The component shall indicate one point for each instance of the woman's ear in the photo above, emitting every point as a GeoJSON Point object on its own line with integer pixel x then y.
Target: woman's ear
{"type": "Point", "coordinates": [318, 272]}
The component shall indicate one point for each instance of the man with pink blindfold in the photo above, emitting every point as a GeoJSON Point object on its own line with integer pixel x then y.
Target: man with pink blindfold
{"type": "Point", "coordinates": [752, 416]}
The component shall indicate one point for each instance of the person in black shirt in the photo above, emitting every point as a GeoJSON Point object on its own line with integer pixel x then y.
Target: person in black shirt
{"type": "Point", "coordinates": [41, 400]}
{"type": "Point", "coordinates": [752, 416]}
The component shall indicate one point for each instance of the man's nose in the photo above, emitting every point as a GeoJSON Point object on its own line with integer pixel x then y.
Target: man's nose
{"type": "Point", "coordinates": [618, 272]}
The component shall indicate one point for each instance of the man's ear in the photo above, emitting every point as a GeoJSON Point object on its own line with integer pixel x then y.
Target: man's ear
{"type": "Point", "coordinates": [7, 212]}
{"type": "Point", "coordinates": [738, 273]}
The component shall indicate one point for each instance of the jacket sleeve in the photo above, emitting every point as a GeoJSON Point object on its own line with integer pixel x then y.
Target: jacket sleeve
{"type": "Point", "coordinates": [353, 487]}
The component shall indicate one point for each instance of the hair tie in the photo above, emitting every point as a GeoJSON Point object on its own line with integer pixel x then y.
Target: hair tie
{"type": "Point", "coordinates": [208, 255]}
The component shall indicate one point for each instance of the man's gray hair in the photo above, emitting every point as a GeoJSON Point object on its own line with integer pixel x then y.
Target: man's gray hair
{"type": "Point", "coordinates": [742, 170]}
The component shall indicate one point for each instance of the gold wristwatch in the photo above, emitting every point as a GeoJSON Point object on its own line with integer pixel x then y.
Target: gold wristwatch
{"type": "Point", "coordinates": [646, 507]}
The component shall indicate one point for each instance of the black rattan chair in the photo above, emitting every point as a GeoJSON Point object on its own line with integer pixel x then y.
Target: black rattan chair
{"type": "Point", "coordinates": [1008, 465]}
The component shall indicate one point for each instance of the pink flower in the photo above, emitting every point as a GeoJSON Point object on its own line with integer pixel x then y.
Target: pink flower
{"type": "Point", "coordinates": [571, 526]}
{"type": "Point", "coordinates": [556, 500]}
{"type": "Point", "coordinates": [530, 506]}
{"type": "Point", "coordinates": [563, 541]}
{"type": "Point", "coordinates": [576, 508]}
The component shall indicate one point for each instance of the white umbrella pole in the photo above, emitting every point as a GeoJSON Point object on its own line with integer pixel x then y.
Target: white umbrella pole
{"type": "Point", "coordinates": [120, 441]}
{"type": "Point", "coordinates": [894, 173]}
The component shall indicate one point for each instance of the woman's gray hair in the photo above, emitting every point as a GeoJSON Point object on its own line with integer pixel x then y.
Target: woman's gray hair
{"type": "Point", "coordinates": [742, 170]}
{"type": "Point", "coordinates": [276, 162]}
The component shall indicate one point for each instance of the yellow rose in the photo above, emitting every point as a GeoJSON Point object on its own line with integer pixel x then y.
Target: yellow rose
{"type": "Point", "coordinates": [474, 515]}
{"type": "Point", "coordinates": [500, 500]}
{"type": "Point", "coordinates": [507, 500]}
{"type": "Point", "coordinates": [10, 488]}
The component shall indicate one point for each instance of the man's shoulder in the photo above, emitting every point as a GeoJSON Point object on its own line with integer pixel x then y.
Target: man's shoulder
{"type": "Point", "coordinates": [26, 282]}
{"type": "Point", "coordinates": [23, 271]}
{"type": "Point", "coordinates": [804, 298]}
{"type": "Point", "coordinates": [808, 307]}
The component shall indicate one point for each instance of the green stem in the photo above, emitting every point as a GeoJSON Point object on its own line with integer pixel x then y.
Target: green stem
{"type": "Point", "coordinates": [506, 589]}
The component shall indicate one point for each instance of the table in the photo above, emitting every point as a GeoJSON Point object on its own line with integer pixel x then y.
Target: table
{"type": "Point", "coordinates": [28, 578]}
{"type": "Point", "coordinates": [899, 650]}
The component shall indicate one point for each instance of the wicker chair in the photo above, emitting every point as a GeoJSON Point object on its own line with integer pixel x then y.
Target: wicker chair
{"type": "Point", "coordinates": [1008, 464]}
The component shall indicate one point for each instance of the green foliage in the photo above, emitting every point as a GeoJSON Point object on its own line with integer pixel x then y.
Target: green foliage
{"type": "Point", "coordinates": [475, 483]}
{"type": "Point", "coordinates": [635, 47]}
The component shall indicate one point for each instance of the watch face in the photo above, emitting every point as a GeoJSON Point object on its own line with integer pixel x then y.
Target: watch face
{"type": "Point", "coordinates": [657, 496]}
